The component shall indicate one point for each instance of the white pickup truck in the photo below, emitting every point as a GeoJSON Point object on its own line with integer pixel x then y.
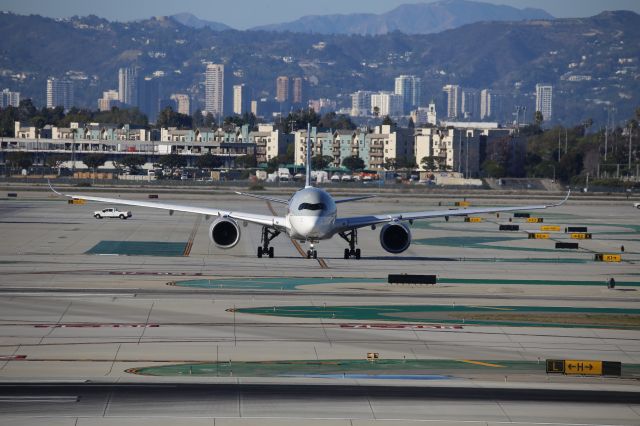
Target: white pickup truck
{"type": "Point", "coordinates": [111, 213]}
{"type": "Point", "coordinates": [636, 205]}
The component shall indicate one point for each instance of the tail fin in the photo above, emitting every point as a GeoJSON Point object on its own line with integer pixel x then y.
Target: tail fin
{"type": "Point", "coordinates": [307, 182]}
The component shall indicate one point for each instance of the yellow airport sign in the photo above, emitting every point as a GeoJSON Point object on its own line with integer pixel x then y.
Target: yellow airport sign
{"type": "Point", "coordinates": [372, 356]}
{"type": "Point", "coordinates": [535, 220]}
{"type": "Point", "coordinates": [580, 236]}
{"type": "Point", "coordinates": [462, 204]}
{"type": "Point", "coordinates": [473, 219]}
{"type": "Point", "coordinates": [75, 201]}
{"type": "Point", "coordinates": [550, 228]}
{"type": "Point", "coordinates": [606, 257]}
{"type": "Point", "coordinates": [538, 236]}
{"type": "Point", "coordinates": [585, 368]}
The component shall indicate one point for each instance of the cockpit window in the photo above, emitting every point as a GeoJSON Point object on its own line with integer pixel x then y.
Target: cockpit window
{"type": "Point", "coordinates": [311, 206]}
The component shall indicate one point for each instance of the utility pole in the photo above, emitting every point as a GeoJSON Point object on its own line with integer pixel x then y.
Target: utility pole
{"type": "Point", "coordinates": [606, 141]}
{"type": "Point", "coordinates": [629, 165]}
{"type": "Point", "coordinates": [558, 145]}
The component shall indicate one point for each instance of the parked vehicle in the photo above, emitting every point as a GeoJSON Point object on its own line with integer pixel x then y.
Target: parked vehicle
{"type": "Point", "coordinates": [112, 213]}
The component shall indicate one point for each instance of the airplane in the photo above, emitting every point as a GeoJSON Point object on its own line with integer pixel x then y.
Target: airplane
{"type": "Point", "coordinates": [312, 216]}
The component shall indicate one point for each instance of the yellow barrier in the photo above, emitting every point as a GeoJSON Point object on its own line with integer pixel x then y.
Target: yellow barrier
{"type": "Point", "coordinates": [473, 219]}
{"type": "Point", "coordinates": [76, 201]}
{"type": "Point", "coordinates": [580, 236]}
{"type": "Point", "coordinates": [462, 204]}
{"type": "Point", "coordinates": [538, 236]}
{"type": "Point", "coordinates": [606, 257]}
{"type": "Point", "coordinates": [535, 220]}
{"type": "Point", "coordinates": [550, 228]}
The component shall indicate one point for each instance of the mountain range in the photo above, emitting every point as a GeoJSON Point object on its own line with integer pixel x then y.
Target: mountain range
{"type": "Point", "coordinates": [419, 18]}
{"type": "Point", "coordinates": [592, 62]}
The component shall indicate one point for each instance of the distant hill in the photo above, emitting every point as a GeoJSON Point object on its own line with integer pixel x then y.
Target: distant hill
{"type": "Point", "coordinates": [193, 21]}
{"type": "Point", "coordinates": [419, 18]}
{"type": "Point", "coordinates": [592, 62]}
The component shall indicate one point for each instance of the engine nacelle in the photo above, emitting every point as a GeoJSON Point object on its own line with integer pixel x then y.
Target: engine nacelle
{"type": "Point", "coordinates": [224, 233]}
{"type": "Point", "coordinates": [395, 237]}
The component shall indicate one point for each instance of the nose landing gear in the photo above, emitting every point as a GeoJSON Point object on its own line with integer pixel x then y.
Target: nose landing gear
{"type": "Point", "coordinates": [312, 253]}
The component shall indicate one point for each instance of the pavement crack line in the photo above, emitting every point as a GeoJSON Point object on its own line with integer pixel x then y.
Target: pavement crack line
{"type": "Point", "coordinates": [504, 412]}
{"type": "Point", "coordinates": [146, 322]}
{"type": "Point", "coordinates": [114, 360]}
{"type": "Point", "coordinates": [58, 322]}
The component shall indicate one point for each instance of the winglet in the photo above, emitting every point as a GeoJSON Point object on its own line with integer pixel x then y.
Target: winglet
{"type": "Point", "coordinates": [53, 189]}
{"type": "Point", "coordinates": [563, 201]}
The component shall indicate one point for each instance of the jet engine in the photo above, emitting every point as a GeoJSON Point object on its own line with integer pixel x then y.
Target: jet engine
{"type": "Point", "coordinates": [395, 237]}
{"type": "Point", "coordinates": [224, 233]}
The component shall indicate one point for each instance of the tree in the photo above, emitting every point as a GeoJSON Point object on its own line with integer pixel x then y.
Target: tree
{"type": "Point", "coordinates": [390, 164]}
{"type": "Point", "coordinates": [22, 160]}
{"type": "Point", "coordinates": [93, 161]}
{"type": "Point", "coordinates": [55, 161]}
{"type": "Point", "coordinates": [133, 163]}
{"type": "Point", "coordinates": [388, 121]}
{"type": "Point", "coordinates": [493, 169]}
{"type": "Point", "coordinates": [246, 161]}
{"type": "Point", "coordinates": [429, 163]}
{"type": "Point", "coordinates": [172, 161]}
{"type": "Point", "coordinates": [197, 119]}
{"type": "Point", "coordinates": [209, 161]}
{"type": "Point", "coordinates": [273, 164]}
{"type": "Point", "coordinates": [353, 163]}
{"type": "Point", "coordinates": [539, 118]}
{"type": "Point", "coordinates": [319, 162]}
{"type": "Point", "coordinates": [376, 111]}
{"type": "Point", "coordinates": [169, 118]}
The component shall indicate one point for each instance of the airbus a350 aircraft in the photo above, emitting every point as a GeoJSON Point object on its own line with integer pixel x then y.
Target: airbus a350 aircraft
{"type": "Point", "coordinates": [312, 216]}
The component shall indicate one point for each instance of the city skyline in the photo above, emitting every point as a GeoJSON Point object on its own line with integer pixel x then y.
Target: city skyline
{"type": "Point", "coordinates": [279, 10]}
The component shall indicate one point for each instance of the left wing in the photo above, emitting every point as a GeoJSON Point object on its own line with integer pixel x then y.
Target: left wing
{"type": "Point", "coordinates": [275, 221]}
{"type": "Point", "coordinates": [344, 224]}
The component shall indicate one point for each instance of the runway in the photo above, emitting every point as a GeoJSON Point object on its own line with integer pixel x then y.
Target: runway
{"type": "Point", "coordinates": [69, 312]}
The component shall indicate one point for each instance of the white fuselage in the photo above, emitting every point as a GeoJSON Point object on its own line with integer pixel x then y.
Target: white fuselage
{"type": "Point", "coordinates": [311, 215]}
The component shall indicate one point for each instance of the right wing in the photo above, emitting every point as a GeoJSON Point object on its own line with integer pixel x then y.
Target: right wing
{"type": "Point", "coordinates": [347, 223]}
{"type": "Point", "coordinates": [274, 221]}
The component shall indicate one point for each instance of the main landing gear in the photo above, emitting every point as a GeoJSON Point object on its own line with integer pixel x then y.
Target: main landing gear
{"type": "Point", "coordinates": [351, 237]}
{"type": "Point", "coordinates": [268, 234]}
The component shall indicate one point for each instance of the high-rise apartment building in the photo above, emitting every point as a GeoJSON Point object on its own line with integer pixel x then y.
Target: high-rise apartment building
{"type": "Point", "coordinates": [183, 103]}
{"type": "Point", "coordinates": [470, 103]}
{"type": "Point", "coordinates": [386, 103]}
{"type": "Point", "coordinates": [9, 98]}
{"type": "Point", "coordinates": [485, 104]}
{"type": "Point", "coordinates": [453, 100]}
{"type": "Point", "coordinates": [214, 90]}
{"type": "Point", "coordinates": [361, 103]}
{"type": "Point", "coordinates": [282, 88]}
{"type": "Point", "coordinates": [109, 99]}
{"type": "Point", "coordinates": [297, 90]}
{"type": "Point", "coordinates": [59, 93]}
{"type": "Point", "coordinates": [410, 88]}
{"type": "Point", "coordinates": [149, 97]}
{"type": "Point", "coordinates": [544, 100]}
{"type": "Point", "coordinates": [128, 86]}
{"type": "Point", "coordinates": [240, 99]}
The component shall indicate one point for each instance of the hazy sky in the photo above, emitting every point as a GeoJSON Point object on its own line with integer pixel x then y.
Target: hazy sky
{"type": "Point", "coordinates": [243, 14]}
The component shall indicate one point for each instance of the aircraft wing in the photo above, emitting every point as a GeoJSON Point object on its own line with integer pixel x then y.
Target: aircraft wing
{"type": "Point", "coordinates": [260, 219]}
{"type": "Point", "coordinates": [347, 200]}
{"type": "Point", "coordinates": [344, 224]}
{"type": "Point", "coordinates": [263, 197]}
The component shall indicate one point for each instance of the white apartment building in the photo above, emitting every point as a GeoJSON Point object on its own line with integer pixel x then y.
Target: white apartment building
{"type": "Point", "coordinates": [9, 98]}
{"type": "Point", "coordinates": [386, 103]}
{"type": "Point", "coordinates": [214, 90]}
{"type": "Point", "coordinates": [544, 100]}
{"type": "Point", "coordinates": [453, 100]}
{"type": "Point", "coordinates": [59, 93]}
{"type": "Point", "coordinates": [183, 103]}
{"type": "Point", "coordinates": [128, 86]}
{"type": "Point", "coordinates": [361, 103]}
{"type": "Point", "coordinates": [410, 88]}
{"type": "Point", "coordinates": [109, 99]}
{"type": "Point", "coordinates": [453, 149]}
